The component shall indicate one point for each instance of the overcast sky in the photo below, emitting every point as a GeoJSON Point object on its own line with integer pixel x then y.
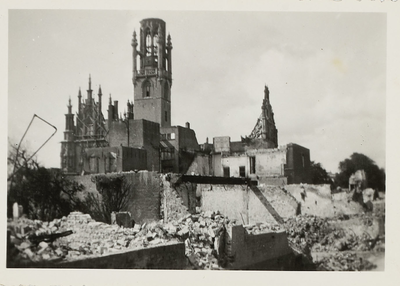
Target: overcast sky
{"type": "Point", "coordinates": [326, 73]}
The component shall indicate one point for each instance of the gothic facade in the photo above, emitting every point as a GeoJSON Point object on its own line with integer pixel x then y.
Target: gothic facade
{"type": "Point", "coordinates": [144, 133]}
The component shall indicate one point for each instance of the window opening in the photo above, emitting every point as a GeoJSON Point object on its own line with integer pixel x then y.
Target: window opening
{"type": "Point", "coordinates": [252, 165]}
{"type": "Point", "coordinates": [242, 171]}
{"type": "Point", "coordinates": [148, 44]}
{"type": "Point", "coordinates": [226, 172]}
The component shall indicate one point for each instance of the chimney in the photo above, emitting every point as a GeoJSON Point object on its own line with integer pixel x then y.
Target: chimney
{"type": "Point", "coordinates": [187, 125]}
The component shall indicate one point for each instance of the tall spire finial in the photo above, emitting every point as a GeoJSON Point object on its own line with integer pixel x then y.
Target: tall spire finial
{"type": "Point", "coordinates": [100, 93]}
{"type": "Point", "coordinates": [79, 93]}
{"type": "Point", "coordinates": [69, 106]}
{"type": "Point", "coordinates": [110, 102]}
{"type": "Point", "coordinates": [90, 82]}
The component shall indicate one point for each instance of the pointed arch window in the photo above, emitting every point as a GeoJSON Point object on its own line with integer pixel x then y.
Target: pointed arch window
{"type": "Point", "coordinates": [148, 43]}
{"type": "Point", "coordinates": [146, 89]}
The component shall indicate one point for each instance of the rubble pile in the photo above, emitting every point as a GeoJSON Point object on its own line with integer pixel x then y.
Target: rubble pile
{"type": "Point", "coordinates": [204, 238]}
{"type": "Point", "coordinates": [203, 235]}
{"type": "Point", "coordinates": [307, 229]}
{"type": "Point", "coordinates": [262, 228]}
{"type": "Point", "coordinates": [345, 261]}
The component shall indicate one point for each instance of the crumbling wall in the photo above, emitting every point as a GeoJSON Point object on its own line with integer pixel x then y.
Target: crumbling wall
{"type": "Point", "coordinates": [173, 206]}
{"type": "Point", "coordinates": [248, 251]}
{"type": "Point", "coordinates": [319, 201]}
{"type": "Point", "coordinates": [284, 204]}
{"type": "Point", "coordinates": [144, 196]}
{"type": "Point", "coordinates": [240, 203]}
{"type": "Point", "coordinates": [229, 200]}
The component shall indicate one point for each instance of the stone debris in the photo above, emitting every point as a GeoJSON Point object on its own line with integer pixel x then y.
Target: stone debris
{"type": "Point", "coordinates": [202, 234]}
{"type": "Point", "coordinates": [262, 228]}
{"type": "Point", "coordinates": [345, 262]}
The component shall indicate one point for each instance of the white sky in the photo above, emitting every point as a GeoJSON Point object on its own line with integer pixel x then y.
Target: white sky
{"type": "Point", "coordinates": [326, 73]}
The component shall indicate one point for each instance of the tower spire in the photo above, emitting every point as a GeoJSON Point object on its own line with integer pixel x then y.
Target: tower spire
{"type": "Point", "coordinates": [89, 91]}
{"type": "Point", "coordinates": [266, 92]}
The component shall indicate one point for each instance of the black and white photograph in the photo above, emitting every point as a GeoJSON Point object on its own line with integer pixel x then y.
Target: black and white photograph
{"type": "Point", "coordinates": [200, 141]}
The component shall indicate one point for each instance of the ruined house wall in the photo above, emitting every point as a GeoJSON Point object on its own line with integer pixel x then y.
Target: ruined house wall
{"type": "Point", "coordinates": [284, 204]}
{"type": "Point", "coordinates": [269, 162]}
{"type": "Point", "coordinates": [176, 201]}
{"type": "Point", "coordinates": [248, 251]}
{"type": "Point", "coordinates": [229, 200]}
{"type": "Point", "coordinates": [234, 163]}
{"type": "Point", "coordinates": [241, 204]}
{"type": "Point", "coordinates": [144, 196]}
{"type": "Point", "coordinates": [319, 202]}
{"type": "Point", "coordinates": [298, 164]}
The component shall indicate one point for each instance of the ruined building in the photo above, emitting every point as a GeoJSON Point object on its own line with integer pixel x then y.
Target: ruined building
{"type": "Point", "coordinates": [144, 139]}
{"type": "Point", "coordinates": [256, 156]}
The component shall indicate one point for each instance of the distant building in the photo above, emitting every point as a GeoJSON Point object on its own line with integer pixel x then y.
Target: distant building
{"type": "Point", "coordinates": [144, 139]}
{"type": "Point", "coordinates": [257, 156]}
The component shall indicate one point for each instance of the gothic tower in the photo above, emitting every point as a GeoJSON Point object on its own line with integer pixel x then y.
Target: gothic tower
{"type": "Point", "coordinates": [265, 128]}
{"type": "Point", "coordinates": [152, 74]}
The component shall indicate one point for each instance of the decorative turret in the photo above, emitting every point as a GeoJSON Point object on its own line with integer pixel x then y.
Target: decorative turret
{"type": "Point", "coordinates": [169, 54]}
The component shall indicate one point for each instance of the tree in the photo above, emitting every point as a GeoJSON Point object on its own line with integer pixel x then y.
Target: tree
{"type": "Point", "coordinates": [357, 161]}
{"type": "Point", "coordinates": [114, 193]}
{"type": "Point", "coordinates": [319, 175]}
{"type": "Point", "coordinates": [44, 194]}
